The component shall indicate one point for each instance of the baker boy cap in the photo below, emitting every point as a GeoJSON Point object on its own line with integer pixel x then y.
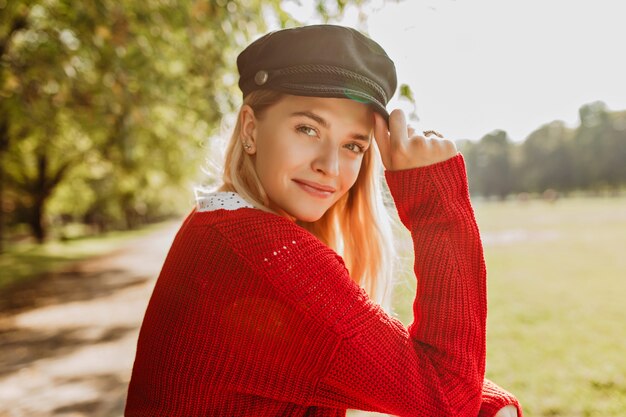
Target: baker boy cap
{"type": "Point", "coordinates": [319, 61]}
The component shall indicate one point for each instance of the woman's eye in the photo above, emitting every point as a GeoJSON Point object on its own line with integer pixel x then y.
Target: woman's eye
{"type": "Point", "coordinates": [355, 147]}
{"type": "Point", "coordinates": [307, 130]}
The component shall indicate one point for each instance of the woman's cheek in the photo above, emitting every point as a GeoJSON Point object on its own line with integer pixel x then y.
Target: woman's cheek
{"type": "Point", "coordinates": [352, 171]}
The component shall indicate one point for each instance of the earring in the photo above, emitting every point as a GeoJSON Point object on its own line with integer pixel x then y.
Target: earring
{"type": "Point", "coordinates": [247, 146]}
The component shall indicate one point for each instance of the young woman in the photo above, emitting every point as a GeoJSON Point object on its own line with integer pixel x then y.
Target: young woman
{"type": "Point", "coordinates": [255, 313]}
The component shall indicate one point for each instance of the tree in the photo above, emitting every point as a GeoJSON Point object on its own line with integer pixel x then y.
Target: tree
{"type": "Point", "coordinates": [618, 145]}
{"type": "Point", "coordinates": [547, 159]}
{"type": "Point", "coordinates": [492, 165]}
{"type": "Point", "coordinates": [12, 21]}
{"type": "Point", "coordinates": [118, 92]}
{"type": "Point", "coordinates": [601, 147]}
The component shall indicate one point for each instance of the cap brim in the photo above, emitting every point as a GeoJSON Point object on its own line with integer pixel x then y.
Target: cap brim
{"type": "Point", "coordinates": [316, 90]}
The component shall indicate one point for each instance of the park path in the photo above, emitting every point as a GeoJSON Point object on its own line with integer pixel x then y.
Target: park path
{"type": "Point", "coordinates": [68, 340]}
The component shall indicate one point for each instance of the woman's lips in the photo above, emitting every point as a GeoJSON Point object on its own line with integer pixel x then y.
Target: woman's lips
{"type": "Point", "coordinates": [315, 189]}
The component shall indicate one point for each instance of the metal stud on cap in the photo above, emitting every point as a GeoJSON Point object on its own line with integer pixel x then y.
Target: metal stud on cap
{"type": "Point", "coordinates": [261, 77]}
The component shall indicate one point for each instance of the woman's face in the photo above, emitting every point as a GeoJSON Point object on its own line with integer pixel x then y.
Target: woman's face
{"type": "Point", "coordinates": [307, 151]}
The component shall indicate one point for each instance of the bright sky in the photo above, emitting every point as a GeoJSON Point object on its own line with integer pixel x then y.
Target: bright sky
{"type": "Point", "coordinates": [480, 65]}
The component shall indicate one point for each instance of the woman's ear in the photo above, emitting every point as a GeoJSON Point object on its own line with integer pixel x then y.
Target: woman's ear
{"type": "Point", "coordinates": [248, 130]}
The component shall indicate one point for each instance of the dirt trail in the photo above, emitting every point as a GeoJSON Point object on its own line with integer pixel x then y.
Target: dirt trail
{"type": "Point", "coordinates": [68, 340]}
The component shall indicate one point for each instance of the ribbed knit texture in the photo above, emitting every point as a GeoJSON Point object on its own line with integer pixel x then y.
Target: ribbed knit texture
{"type": "Point", "coordinates": [254, 316]}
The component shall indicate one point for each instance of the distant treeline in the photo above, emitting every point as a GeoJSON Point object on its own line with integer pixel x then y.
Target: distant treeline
{"type": "Point", "coordinates": [590, 157]}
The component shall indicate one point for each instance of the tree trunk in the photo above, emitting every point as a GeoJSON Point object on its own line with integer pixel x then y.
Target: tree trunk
{"type": "Point", "coordinates": [129, 212]}
{"type": "Point", "coordinates": [41, 189]}
{"type": "Point", "coordinates": [36, 220]}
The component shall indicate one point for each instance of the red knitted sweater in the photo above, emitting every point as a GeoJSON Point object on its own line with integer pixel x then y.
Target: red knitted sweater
{"type": "Point", "coordinates": [254, 316]}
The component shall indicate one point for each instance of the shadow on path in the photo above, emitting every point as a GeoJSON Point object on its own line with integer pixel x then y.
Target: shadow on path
{"type": "Point", "coordinates": [68, 339]}
{"type": "Point", "coordinates": [63, 287]}
{"type": "Point", "coordinates": [111, 403]}
{"type": "Point", "coordinates": [23, 346]}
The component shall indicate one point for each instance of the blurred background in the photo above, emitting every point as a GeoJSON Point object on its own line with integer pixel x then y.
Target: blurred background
{"type": "Point", "coordinates": [111, 112]}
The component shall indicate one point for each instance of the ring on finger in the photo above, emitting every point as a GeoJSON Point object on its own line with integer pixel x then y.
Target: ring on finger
{"type": "Point", "coordinates": [432, 132]}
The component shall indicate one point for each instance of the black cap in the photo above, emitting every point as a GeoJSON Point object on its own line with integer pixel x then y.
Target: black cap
{"type": "Point", "coordinates": [319, 61]}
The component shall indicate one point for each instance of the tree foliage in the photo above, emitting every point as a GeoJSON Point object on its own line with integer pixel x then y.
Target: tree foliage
{"type": "Point", "coordinates": [107, 104]}
{"type": "Point", "coordinates": [554, 157]}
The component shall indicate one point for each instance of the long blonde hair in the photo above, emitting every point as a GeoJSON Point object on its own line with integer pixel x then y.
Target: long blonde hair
{"type": "Point", "coordinates": [357, 226]}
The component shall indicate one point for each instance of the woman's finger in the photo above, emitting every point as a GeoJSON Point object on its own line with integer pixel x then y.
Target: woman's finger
{"type": "Point", "coordinates": [397, 130]}
{"type": "Point", "coordinates": [381, 134]}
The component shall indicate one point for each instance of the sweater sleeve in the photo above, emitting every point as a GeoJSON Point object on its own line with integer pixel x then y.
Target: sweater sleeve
{"type": "Point", "coordinates": [495, 398]}
{"type": "Point", "coordinates": [436, 366]}
{"type": "Point", "coordinates": [445, 365]}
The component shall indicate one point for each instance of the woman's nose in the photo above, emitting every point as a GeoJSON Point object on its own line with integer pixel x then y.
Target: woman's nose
{"type": "Point", "coordinates": [327, 161]}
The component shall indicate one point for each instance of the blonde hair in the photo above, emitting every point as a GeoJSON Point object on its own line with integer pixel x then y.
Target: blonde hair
{"type": "Point", "coordinates": [357, 226]}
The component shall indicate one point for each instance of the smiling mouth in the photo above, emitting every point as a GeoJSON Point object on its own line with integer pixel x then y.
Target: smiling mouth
{"type": "Point", "coordinates": [315, 189]}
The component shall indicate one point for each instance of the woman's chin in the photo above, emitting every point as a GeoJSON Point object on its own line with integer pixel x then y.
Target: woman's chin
{"type": "Point", "coordinates": [309, 219]}
{"type": "Point", "coordinates": [301, 212]}
{"type": "Point", "coordinates": [307, 216]}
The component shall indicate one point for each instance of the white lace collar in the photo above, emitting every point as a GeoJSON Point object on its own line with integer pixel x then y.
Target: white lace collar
{"type": "Point", "coordinates": [209, 201]}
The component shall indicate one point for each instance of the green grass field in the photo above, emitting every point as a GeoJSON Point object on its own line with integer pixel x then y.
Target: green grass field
{"type": "Point", "coordinates": [557, 303]}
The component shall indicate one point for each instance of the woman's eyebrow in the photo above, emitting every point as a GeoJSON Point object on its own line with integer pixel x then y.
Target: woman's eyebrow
{"type": "Point", "coordinates": [325, 124]}
{"type": "Point", "coordinates": [363, 138]}
{"type": "Point", "coordinates": [311, 115]}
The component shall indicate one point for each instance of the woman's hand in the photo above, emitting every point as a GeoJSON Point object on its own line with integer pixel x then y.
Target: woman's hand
{"type": "Point", "coordinates": [508, 411]}
{"type": "Point", "coordinates": [402, 148]}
